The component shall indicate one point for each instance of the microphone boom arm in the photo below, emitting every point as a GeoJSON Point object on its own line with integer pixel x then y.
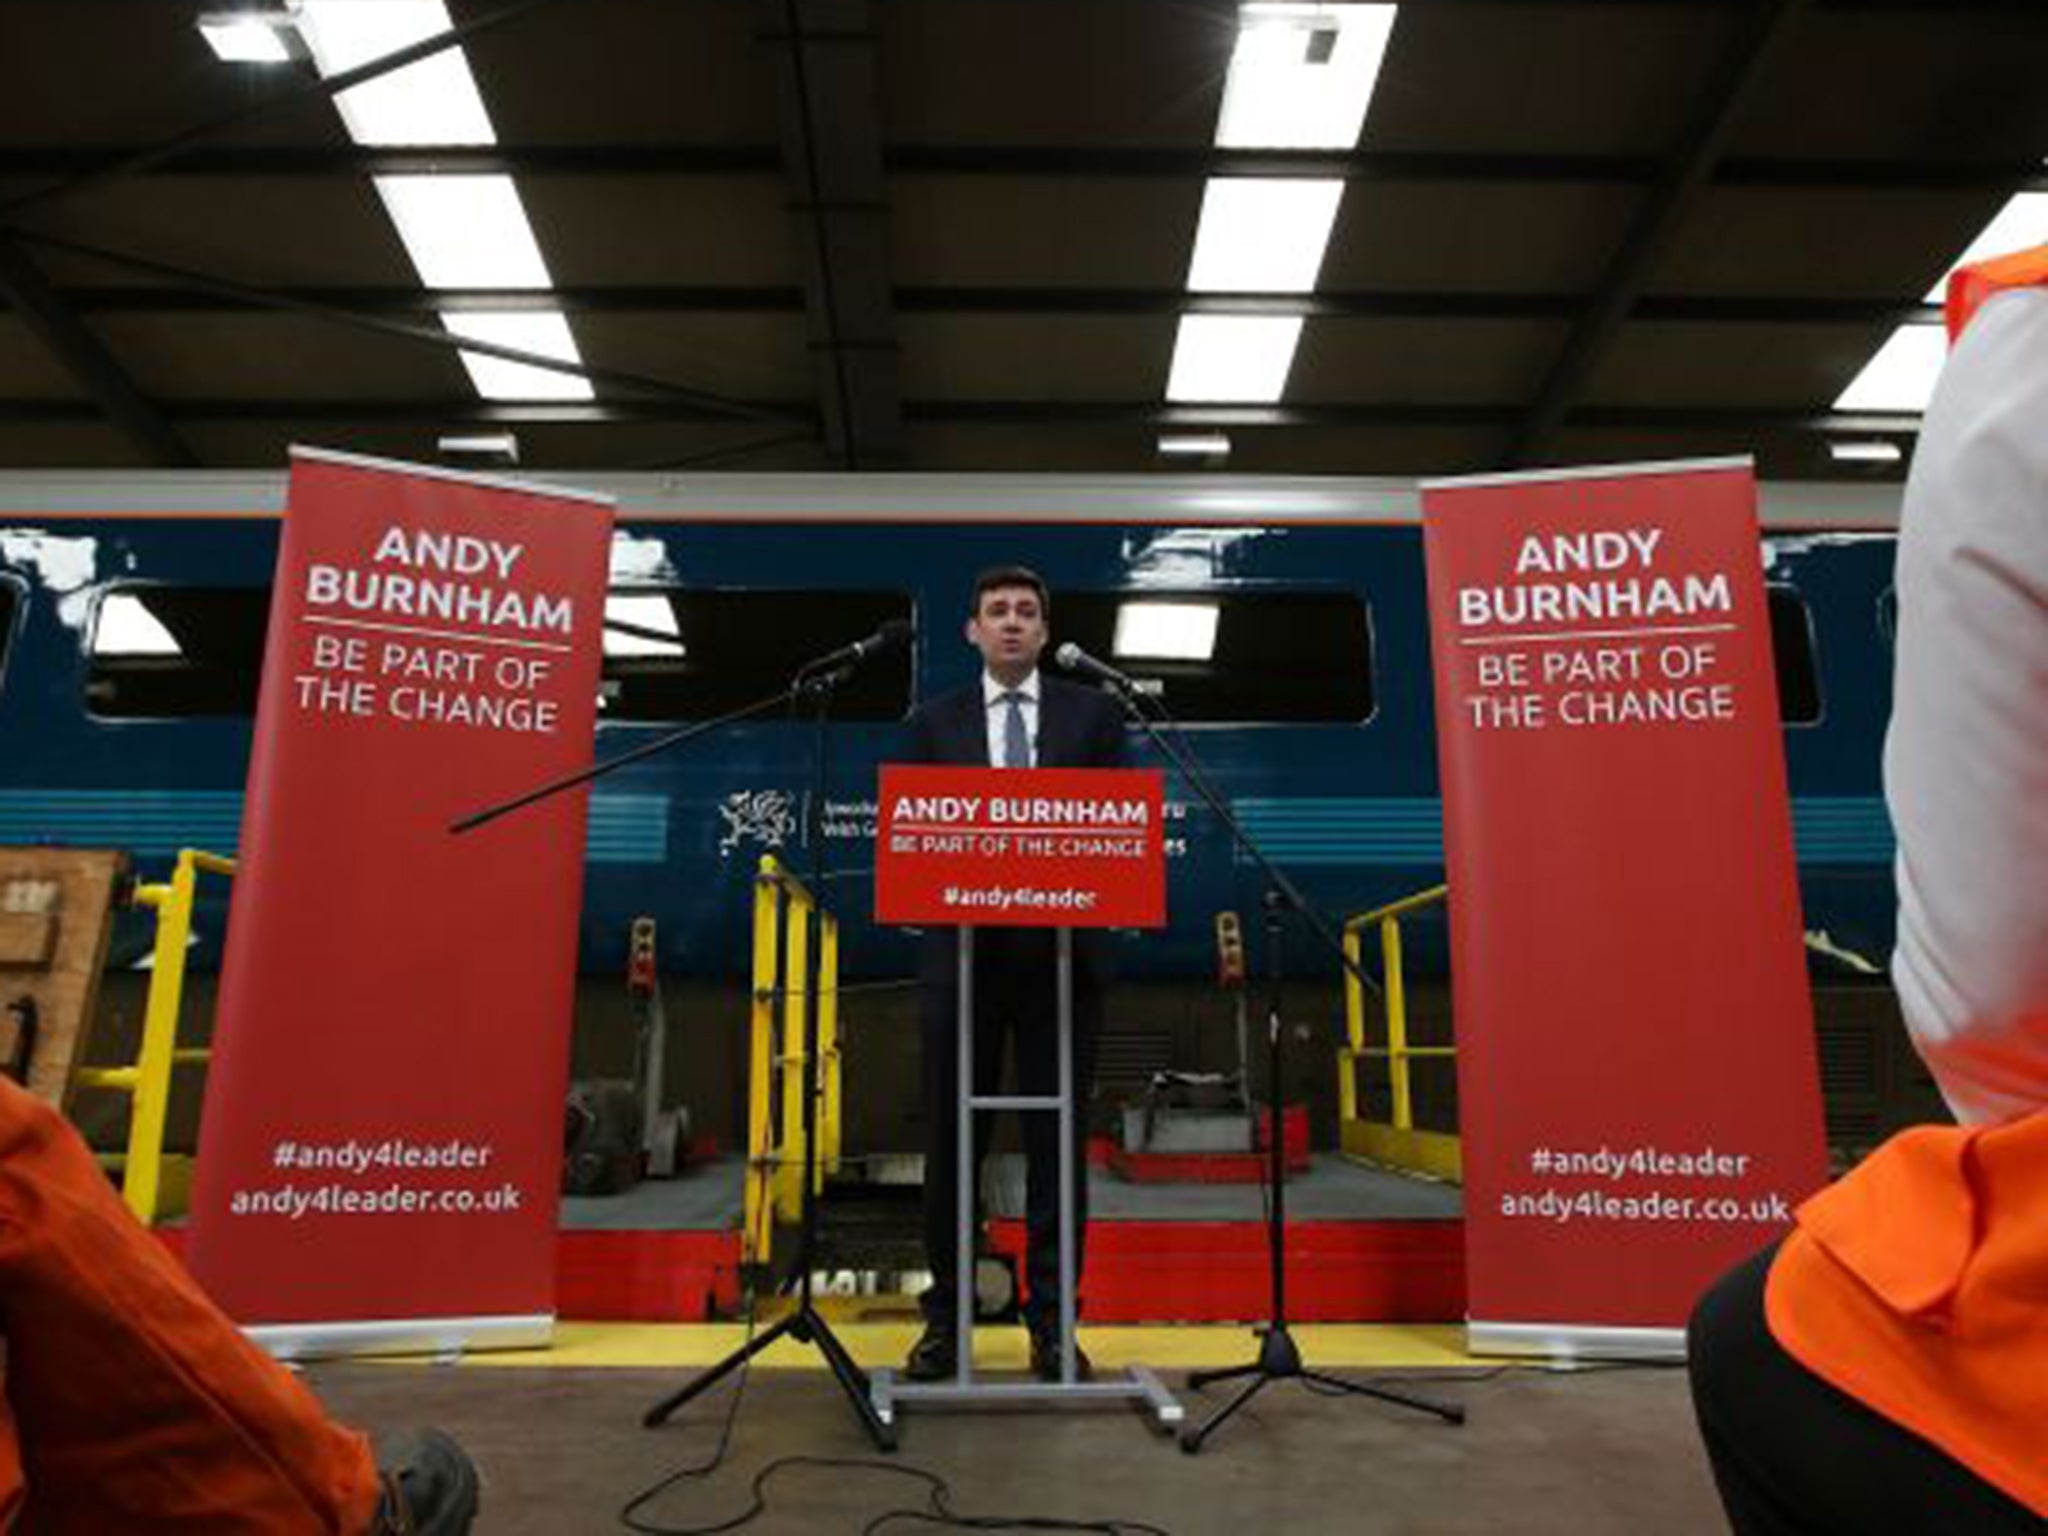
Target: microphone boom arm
{"type": "Point", "coordinates": [648, 749]}
{"type": "Point", "coordinates": [1174, 751]}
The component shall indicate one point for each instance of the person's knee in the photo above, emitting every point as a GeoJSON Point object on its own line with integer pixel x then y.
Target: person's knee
{"type": "Point", "coordinates": [1726, 1327]}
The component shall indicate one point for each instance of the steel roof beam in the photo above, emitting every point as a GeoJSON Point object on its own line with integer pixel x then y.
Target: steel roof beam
{"type": "Point", "coordinates": [1760, 33]}
{"type": "Point", "coordinates": [824, 57]}
{"type": "Point", "coordinates": [1023, 414]}
{"type": "Point", "coordinates": [708, 299]}
{"type": "Point", "coordinates": [133, 161]}
{"type": "Point", "coordinates": [294, 162]}
{"type": "Point", "coordinates": [86, 358]}
{"type": "Point", "coordinates": [254, 295]}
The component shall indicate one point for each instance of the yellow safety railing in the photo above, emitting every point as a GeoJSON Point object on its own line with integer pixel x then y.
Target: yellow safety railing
{"type": "Point", "coordinates": [785, 914]}
{"type": "Point", "coordinates": [1398, 1144]}
{"type": "Point", "coordinates": [148, 1082]}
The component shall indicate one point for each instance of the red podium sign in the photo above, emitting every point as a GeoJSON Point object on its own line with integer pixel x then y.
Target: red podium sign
{"type": "Point", "coordinates": [1020, 847]}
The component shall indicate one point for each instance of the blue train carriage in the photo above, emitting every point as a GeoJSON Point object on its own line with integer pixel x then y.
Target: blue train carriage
{"type": "Point", "coordinates": [1288, 632]}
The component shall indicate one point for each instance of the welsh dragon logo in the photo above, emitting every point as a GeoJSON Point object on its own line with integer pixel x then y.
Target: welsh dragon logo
{"type": "Point", "coordinates": [764, 816]}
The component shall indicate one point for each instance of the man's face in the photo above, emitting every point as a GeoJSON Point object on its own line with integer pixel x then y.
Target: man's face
{"type": "Point", "coordinates": [1009, 631]}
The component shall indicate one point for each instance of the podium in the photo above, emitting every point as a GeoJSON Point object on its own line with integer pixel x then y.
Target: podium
{"type": "Point", "coordinates": [1059, 848]}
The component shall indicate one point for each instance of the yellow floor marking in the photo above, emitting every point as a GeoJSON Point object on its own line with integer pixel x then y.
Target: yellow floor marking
{"type": "Point", "coordinates": [1330, 1346]}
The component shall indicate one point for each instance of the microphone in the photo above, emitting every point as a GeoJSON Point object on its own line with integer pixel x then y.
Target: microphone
{"type": "Point", "coordinates": [1073, 659]}
{"type": "Point", "coordinates": [892, 634]}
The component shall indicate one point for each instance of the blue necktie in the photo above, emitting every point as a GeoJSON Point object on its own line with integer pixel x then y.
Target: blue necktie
{"type": "Point", "coordinates": [1016, 740]}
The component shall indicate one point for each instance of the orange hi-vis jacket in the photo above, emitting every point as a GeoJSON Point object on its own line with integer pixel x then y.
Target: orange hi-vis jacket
{"type": "Point", "coordinates": [1918, 1284]}
{"type": "Point", "coordinates": [1971, 286]}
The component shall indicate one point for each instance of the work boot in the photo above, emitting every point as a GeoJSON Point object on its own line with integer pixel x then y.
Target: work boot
{"type": "Point", "coordinates": [935, 1356]}
{"type": "Point", "coordinates": [430, 1487]}
{"type": "Point", "coordinates": [1045, 1356]}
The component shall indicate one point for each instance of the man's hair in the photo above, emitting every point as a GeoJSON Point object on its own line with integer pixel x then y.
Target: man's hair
{"type": "Point", "coordinates": [1011, 576]}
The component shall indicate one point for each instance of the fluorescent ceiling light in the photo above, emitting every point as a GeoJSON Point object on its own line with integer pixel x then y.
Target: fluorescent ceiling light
{"type": "Point", "coordinates": [1901, 377]}
{"type": "Point", "coordinates": [465, 231]}
{"type": "Point", "coordinates": [1195, 445]}
{"type": "Point", "coordinates": [1263, 234]}
{"type": "Point", "coordinates": [246, 37]}
{"type": "Point", "coordinates": [2020, 225]}
{"type": "Point", "coordinates": [1302, 76]}
{"type": "Point", "coordinates": [1232, 358]}
{"type": "Point", "coordinates": [127, 628]}
{"type": "Point", "coordinates": [502, 446]}
{"type": "Point", "coordinates": [1167, 631]}
{"type": "Point", "coordinates": [542, 331]}
{"type": "Point", "coordinates": [434, 101]}
{"type": "Point", "coordinates": [642, 611]}
{"type": "Point", "coordinates": [1866, 453]}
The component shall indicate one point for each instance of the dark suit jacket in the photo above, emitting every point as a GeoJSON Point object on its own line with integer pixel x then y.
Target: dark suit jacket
{"type": "Point", "coordinates": [1077, 728]}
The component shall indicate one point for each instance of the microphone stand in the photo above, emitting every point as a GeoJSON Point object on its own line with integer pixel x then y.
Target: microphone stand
{"type": "Point", "coordinates": [1279, 1357]}
{"type": "Point", "coordinates": [804, 1322]}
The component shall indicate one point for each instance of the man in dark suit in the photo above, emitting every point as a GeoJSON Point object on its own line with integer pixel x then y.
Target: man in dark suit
{"type": "Point", "coordinates": [1010, 717]}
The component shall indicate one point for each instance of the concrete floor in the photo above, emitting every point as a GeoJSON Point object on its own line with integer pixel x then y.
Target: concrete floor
{"type": "Point", "coordinates": [562, 1449]}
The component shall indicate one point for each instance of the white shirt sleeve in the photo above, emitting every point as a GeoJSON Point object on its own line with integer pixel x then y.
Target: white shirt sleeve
{"type": "Point", "coordinates": [1966, 758]}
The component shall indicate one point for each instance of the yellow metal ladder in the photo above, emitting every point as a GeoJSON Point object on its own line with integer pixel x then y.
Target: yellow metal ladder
{"type": "Point", "coordinates": [785, 915]}
{"type": "Point", "coordinates": [1398, 1144]}
{"type": "Point", "coordinates": [148, 1081]}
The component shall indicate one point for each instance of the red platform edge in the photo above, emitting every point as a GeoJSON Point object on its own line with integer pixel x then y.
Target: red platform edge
{"type": "Point", "coordinates": [1138, 1272]}
{"type": "Point", "coordinates": [1220, 1271]}
{"type": "Point", "coordinates": [1208, 1167]}
{"type": "Point", "coordinates": [641, 1277]}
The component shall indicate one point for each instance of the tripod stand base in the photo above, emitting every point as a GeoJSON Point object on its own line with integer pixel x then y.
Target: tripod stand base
{"type": "Point", "coordinates": [806, 1326]}
{"type": "Point", "coordinates": [1280, 1360]}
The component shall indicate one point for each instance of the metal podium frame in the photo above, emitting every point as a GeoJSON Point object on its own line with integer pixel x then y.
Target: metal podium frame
{"type": "Point", "coordinates": [1138, 1381]}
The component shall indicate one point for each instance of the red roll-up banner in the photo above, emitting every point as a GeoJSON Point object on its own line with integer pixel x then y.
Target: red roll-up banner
{"type": "Point", "coordinates": [1638, 1094]}
{"type": "Point", "coordinates": [380, 1152]}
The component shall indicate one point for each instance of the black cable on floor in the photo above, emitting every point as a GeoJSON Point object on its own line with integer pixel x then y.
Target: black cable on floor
{"type": "Point", "coordinates": [938, 1512]}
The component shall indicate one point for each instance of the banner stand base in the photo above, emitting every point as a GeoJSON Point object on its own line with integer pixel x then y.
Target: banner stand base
{"type": "Point", "coordinates": [442, 1336]}
{"type": "Point", "coordinates": [1569, 1341]}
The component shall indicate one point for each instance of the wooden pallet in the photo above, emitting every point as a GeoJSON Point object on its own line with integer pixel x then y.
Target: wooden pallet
{"type": "Point", "coordinates": [56, 916]}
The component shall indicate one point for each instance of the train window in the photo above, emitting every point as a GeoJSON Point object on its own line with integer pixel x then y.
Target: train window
{"type": "Point", "coordinates": [1792, 649]}
{"type": "Point", "coordinates": [1888, 615]}
{"type": "Point", "coordinates": [170, 652]}
{"type": "Point", "coordinates": [672, 654]}
{"type": "Point", "coordinates": [1244, 657]}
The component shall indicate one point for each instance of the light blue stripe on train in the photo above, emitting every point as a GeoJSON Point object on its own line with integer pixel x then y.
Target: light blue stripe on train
{"type": "Point", "coordinates": [623, 829]}
{"type": "Point", "coordinates": [633, 829]}
{"type": "Point", "coordinates": [1848, 829]}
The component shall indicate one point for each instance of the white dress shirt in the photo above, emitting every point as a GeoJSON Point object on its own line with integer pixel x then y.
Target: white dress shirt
{"type": "Point", "coordinates": [1966, 761]}
{"type": "Point", "coordinates": [996, 711]}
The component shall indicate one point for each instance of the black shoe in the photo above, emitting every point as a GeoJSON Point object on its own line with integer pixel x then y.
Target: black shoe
{"type": "Point", "coordinates": [1045, 1356]}
{"type": "Point", "coordinates": [934, 1357]}
{"type": "Point", "coordinates": [430, 1487]}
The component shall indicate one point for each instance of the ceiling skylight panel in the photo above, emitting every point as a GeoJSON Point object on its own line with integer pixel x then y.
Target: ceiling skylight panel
{"type": "Point", "coordinates": [244, 39]}
{"type": "Point", "coordinates": [2020, 225]}
{"type": "Point", "coordinates": [434, 101]}
{"type": "Point", "coordinates": [1232, 359]}
{"type": "Point", "coordinates": [641, 611]}
{"type": "Point", "coordinates": [465, 231]}
{"type": "Point", "coordinates": [1263, 235]}
{"type": "Point", "coordinates": [1166, 631]}
{"type": "Point", "coordinates": [545, 332]}
{"type": "Point", "coordinates": [1302, 76]}
{"type": "Point", "coordinates": [126, 628]}
{"type": "Point", "coordinates": [1901, 376]}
